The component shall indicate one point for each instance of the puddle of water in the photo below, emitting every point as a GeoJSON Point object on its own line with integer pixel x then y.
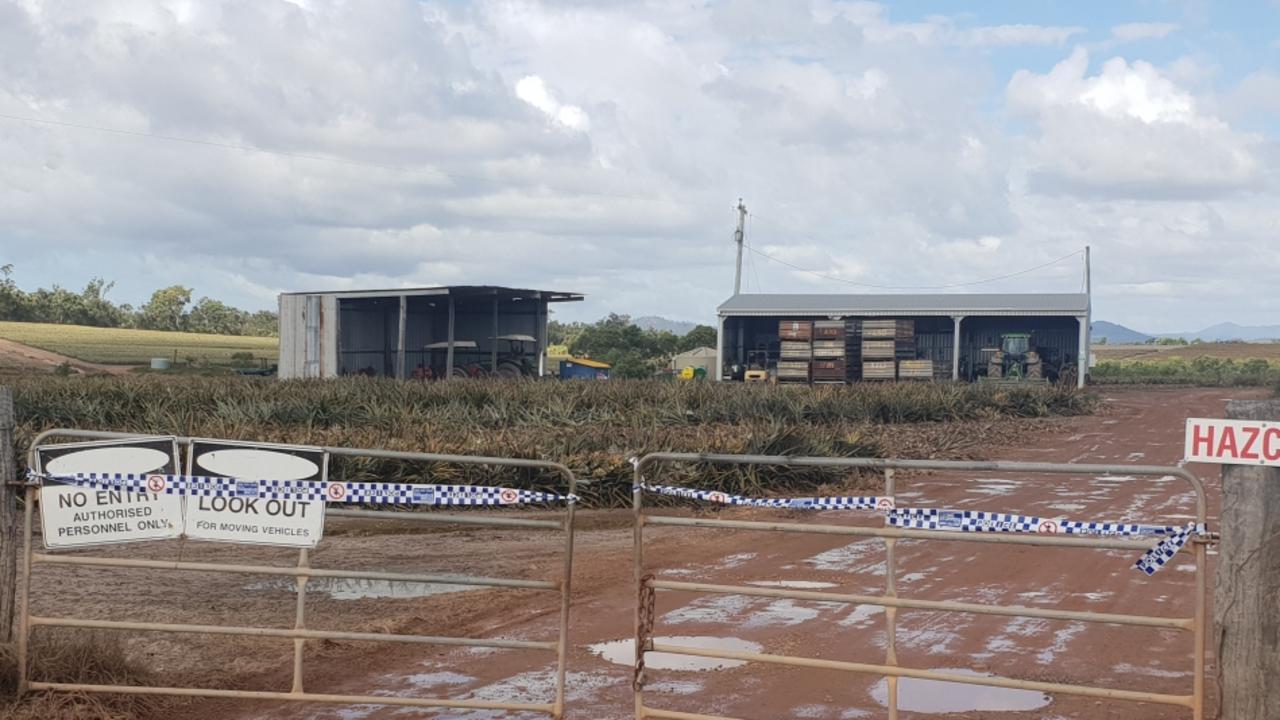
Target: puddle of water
{"type": "Point", "coordinates": [862, 616]}
{"type": "Point", "coordinates": [622, 652]}
{"type": "Point", "coordinates": [675, 687]}
{"type": "Point", "coordinates": [935, 696]}
{"type": "Point", "coordinates": [786, 613]}
{"type": "Point", "coordinates": [1151, 672]}
{"type": "Point", "coordinates": [792, 584]}
{"type": "Point", "coordinates": [736, 560]}
{"type": "Point", "coordinates": [819, 712]}
{"type": "Point", "coordinates": [1060, 641]}
{"type": "Point", "coordinates": [845, 558]}
{"type": "Point", "coordinates": [1066, 507]}
{"type": "Point", "coordinates": [717, 609]}
{"type": "Point", "coordinates": [355, 589]}
{"type": "Point", "coordinates": [437, 679]}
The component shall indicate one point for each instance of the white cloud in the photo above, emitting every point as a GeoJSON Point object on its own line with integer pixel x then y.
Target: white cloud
{"type": "Point", "coordinates": [533, 90]}
{"type": "Point", "coordinates": [1128, 131]}
{"type": "Point", "coordinates": [1130, 32]}
{"type": "Point", "coordinates": [873, 21]}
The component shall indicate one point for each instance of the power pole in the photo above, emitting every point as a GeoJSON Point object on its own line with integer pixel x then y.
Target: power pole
{"type": "Point", "coordinates": [737, 238]}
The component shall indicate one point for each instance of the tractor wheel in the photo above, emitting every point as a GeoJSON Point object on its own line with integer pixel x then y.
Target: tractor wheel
{"type": "Point", "coordinates": [1068, 377]}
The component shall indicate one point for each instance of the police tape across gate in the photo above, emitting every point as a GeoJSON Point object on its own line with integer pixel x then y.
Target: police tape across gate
{"type": "Point", "coordinates": [274, 512]}
{"type": "Point", "coordinates": [1173, 537]}
{"type": "Point", "coordinates": [310, 490]}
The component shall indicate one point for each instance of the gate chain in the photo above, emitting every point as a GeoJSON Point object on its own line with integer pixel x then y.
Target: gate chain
{"type": "Point", "coordinates": [647, 607]}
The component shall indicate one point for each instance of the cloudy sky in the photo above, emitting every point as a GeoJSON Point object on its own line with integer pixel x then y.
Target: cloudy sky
{"type": "Point", "coordinates": [248, 147]}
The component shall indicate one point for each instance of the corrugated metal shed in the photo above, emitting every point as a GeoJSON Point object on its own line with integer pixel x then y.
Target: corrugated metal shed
{"type": "Point", "coordinates": [821, 305]}
{"type": "Point", "coordinates": [415, 332]}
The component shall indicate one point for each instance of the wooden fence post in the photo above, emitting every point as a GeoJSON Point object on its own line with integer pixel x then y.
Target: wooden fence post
{"type": "Point", "coordinates": [1246, 603]}
{"type": "Point", "coordinates": [10, 519]}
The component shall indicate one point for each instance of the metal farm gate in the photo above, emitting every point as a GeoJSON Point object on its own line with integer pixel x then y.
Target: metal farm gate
{"type": "Point", "coordinates": [918, 524]}
{"type": "Point", "coordinates": [299, 634]}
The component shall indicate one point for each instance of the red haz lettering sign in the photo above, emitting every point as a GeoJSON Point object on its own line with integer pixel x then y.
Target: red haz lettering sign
{"type": "Point", "coordinates": [1233, 442]}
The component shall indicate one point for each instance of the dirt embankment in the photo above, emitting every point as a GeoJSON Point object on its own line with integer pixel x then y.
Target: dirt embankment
{"type": "Point", "coordinates": [24, 357]}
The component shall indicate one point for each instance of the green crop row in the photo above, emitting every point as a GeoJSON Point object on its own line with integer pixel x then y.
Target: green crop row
{"type": "Point", "coordinates": [592, 427]}
{"type": "Point", "coordinates": [1204, 371]}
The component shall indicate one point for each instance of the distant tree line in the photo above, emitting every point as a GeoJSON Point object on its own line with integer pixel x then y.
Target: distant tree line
{"type": "Point", "coordinates": [169, 308]}
{"type": "Point", "coordinates": [632, 351]}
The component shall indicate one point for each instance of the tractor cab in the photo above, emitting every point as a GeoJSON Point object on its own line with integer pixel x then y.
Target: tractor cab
{"type": "Point", "coordinates": [1015, 359]}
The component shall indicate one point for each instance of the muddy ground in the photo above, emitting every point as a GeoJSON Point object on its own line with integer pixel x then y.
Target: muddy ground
{"type": "Point", "coordinates": [1135, 426]}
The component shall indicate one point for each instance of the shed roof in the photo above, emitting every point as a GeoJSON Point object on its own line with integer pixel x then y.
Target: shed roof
{"type": "Point", "coordinates": [698, 352]}
{"type": "Point", "coordinates": [766, 304]}
{"type": "Point", "coordinates": [455, 290]}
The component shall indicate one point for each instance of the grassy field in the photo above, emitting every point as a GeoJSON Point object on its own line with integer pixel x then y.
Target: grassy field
{"type": "Point", "coordinates": [591, 427]}
{"type": "Point", "coordinates": [117, 346]}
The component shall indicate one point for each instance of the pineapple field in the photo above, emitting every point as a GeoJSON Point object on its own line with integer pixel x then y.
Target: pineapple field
{"type": "Point", "coordinates": [591, 427]}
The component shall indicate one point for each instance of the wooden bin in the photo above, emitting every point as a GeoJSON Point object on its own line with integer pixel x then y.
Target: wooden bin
{"type": "Point", "coordinates": [828, 330]}
{"type": "Point", "coordinates": [828, 348]}
{"type": "Point", "coordinates": [795, 330]}
{"type": "Point", "coordinates": [877, 349]}
{"type": "Point", "coordinates": [793, 371]}
{"type": "Point", "coordinates": [879, 370]}
{"type": "Point", "coordinates": [877, 329]}
{"type": "Point", "coordinates": [915, 370]}
{"type": "Point", "coordinates": [795, 350]}
{"type": "Point", "coordinates": [828, 371]}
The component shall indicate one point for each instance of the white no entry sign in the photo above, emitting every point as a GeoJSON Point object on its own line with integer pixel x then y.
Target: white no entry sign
{"type": "Point", "coordinates": [249, 518]}
{"type": "Point", "coordinates": [77, 516]}
{"type": "Point", "coordinates": [1233, 442]}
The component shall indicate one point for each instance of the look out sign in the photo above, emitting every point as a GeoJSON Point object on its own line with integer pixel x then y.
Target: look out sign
{"type": "Point", "coordinates": [1233, 442]}
{"type": "Point", "coordinates": [247, 517]}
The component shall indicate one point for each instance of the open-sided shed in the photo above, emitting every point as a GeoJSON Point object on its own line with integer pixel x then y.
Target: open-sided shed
{"type": "Point", "coordinates": [952, 330]}
{"type": "Point", "coordinates": [415, 332]}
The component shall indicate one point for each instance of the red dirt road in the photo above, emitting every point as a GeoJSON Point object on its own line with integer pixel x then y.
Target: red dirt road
{"type": "Point", "coordinates": [1135, 427]}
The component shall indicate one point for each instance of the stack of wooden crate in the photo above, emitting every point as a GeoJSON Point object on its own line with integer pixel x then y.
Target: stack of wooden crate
{"type": "Point", "coordinates": [828, 352]}
{"type": "Point", "coordinates": [878, 349]}
{"type": "Point", "coordinates": [795, 350]}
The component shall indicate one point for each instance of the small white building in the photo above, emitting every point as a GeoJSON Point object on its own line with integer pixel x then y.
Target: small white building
{"type": "Point", "coordinates": [415, 332]}
{"type": "Point", "coordinates": [703, 357]}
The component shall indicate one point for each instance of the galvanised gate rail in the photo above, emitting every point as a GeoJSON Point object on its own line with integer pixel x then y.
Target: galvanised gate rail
{"type": "Point", "coordinates": [303, 572]}
{"type": "Point", "coordinates": [647, 585]}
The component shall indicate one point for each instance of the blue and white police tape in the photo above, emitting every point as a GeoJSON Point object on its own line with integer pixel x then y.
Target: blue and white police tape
{"type": "Point", "coordinates": [979, 521]}
{"type": "Point", "coordinates": [309, 490]}
{"type": "Point", "coordinates": [1174, 537]}
{"type": "Point", "coordinates": [866, 502]}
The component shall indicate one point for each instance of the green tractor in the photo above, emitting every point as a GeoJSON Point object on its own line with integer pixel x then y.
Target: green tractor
{"type": "Point", "coordinates": [1019, 360]}
{"type": "Point", "coordinates": [1015, 359]}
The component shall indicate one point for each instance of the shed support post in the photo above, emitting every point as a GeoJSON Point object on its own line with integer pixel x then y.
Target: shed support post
{"type": "Point", "coordinates": [404, 314]}
{"type": "Point", "coordinates": [448, 352]}
{"type": "Point", "coordinates": [10, 519]}
{"type": "Point", "coordinates": [493, 341]}
{"type": "Point", "coordinates": [1246, 624]}
{"type": "Point", "coordinates": [719, 373]}
{"type": "Point", "coordinates": [955, 347]}
{"type": "Point", "coordinates": [1082, 366]}
{"type": "Point", "coordinates": [541, 315]}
